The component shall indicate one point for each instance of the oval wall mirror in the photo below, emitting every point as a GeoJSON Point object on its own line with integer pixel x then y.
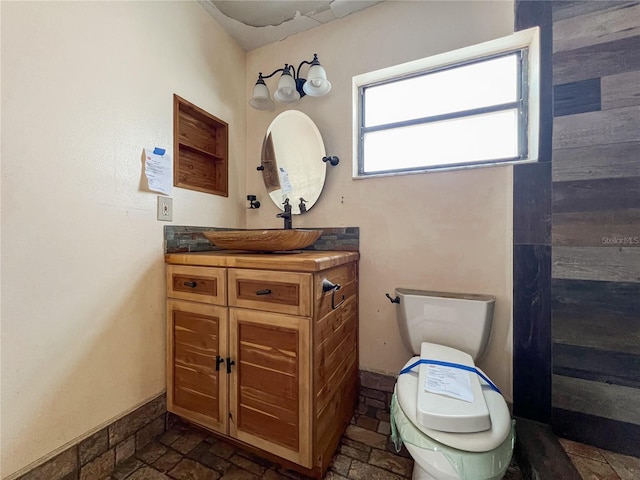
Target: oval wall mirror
{"type": "Point", "coordinates": [292, 153]}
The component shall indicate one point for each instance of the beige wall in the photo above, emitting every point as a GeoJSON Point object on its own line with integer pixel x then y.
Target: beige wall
{"type": "Point", "coordinates": [85, 87]}
{"type": "Point", "coordinates": [448, 231]}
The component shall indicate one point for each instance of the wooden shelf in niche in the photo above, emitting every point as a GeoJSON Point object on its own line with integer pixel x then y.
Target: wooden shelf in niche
{"type": "Point", "coordinates": [200, 149]}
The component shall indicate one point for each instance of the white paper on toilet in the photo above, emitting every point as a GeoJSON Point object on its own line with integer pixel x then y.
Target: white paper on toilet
{"type": "Point", "coordinates": [449, 381]}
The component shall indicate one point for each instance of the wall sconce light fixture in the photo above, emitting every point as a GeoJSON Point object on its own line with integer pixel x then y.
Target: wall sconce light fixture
{"type": "Point", "coordinates": [291, 87]}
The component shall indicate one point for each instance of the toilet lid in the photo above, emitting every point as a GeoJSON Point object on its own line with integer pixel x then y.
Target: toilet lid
{"type": "Point", "coordinates": [483, 441]}
{"type": "Point", "coordinates": [450, 399]}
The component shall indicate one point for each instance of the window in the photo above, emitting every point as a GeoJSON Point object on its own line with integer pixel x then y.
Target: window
{"type": "Point", "coordinates": [474, 106]}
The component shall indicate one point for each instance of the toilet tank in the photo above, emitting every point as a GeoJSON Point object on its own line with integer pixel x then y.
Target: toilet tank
{"type": "Point", "coordinates": [457, 320]}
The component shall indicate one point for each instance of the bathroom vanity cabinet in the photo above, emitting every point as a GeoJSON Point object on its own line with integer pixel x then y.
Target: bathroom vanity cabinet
{"type": "Point", "coordinates": [262, 351]}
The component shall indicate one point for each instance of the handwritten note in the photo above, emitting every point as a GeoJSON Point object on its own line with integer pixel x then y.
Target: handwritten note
{"type": "Point", "coordinates": [449, 381]}
{"type": "Point", "coordinates": [158, 167]}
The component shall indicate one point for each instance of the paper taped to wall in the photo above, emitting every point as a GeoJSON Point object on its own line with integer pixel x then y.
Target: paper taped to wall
{"type": "Point", "coordinates": [158, 168]}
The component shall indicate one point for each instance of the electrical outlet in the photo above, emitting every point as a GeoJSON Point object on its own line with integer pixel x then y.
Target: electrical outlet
{"type": "Point", "coordinates": [165, 208]}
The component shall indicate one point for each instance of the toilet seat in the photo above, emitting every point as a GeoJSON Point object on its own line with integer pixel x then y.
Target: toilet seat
{"type": "Point", "coordinates": [434, 460]}
{"type": "Point", "coordinates": [484, 441]}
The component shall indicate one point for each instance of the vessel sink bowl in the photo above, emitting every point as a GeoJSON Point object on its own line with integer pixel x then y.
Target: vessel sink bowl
{"type": "Point", "coordinates": [265, 240]}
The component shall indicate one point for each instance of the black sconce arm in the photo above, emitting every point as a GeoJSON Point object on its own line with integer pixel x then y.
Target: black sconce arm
{"type": "Point", "coordinates": [296, 73]}
{"type": "Point", "coordinates": [289, 67]}
{"type": "Point", "coordinates": [280, 70]}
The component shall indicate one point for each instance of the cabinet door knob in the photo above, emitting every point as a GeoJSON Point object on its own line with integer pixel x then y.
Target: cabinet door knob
{"type": "Point", "coordinates": [229, 363]}
{"type": "Point", "coordinates": [190, 284]}
{"type": "Point", "coordinates": [266, 291]}
{"type": "Point", "coordinates": [219, 360]}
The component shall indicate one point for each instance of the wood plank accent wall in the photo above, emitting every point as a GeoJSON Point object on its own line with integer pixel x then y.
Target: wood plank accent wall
{"type": "Point", "coordinates": [532, 244]}
{"type": "Point", "coordinates": [595, 287]}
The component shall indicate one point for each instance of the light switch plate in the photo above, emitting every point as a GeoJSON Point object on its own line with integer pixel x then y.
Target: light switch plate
{"type": "Point", "coordinates": [165, 208]}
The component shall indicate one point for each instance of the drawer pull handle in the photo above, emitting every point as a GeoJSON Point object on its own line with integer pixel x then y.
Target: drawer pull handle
{"type": "Point", "coordinates": [327, 286]}
{"type": "Point", "coordinates": [229, 363]}
{"type": "Point", "coordinates": [190, 284]}
{"type": "Point", "coordinates": [266, 291]}
{"type": "Point", "coordinates": [219, 360]}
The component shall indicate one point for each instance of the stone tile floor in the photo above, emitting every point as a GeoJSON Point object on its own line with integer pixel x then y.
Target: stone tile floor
{"type": "Point", "coordinates": [186, 453]}
{"type": "Point", "coordinates": [597, 464]}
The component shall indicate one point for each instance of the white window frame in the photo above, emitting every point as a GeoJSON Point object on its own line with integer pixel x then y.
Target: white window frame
{"type": "Point", "coordinates": [525, 39]}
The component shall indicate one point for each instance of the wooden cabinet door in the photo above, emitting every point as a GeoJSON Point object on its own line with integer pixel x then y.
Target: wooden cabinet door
{"type": "Point", "coordinates": [270, 398]}
{"type": "Point", "coordinates": [196, 381]}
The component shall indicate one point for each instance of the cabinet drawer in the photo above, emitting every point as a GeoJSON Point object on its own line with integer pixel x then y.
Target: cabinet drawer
{"type": "Point", "coordinates": [281, 292]}
{"type": "Point", "coordinates": [197, 284]}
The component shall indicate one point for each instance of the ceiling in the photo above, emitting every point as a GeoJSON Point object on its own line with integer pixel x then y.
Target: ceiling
{"type": "Point", "coordinates": [254, 23]}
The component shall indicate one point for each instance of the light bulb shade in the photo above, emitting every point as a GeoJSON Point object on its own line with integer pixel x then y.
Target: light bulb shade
{"type": "Point", "coordinates": [286, 92]}
{"type": "Point", "coordinates": [317, 84]}
{"type": "Point", "coordinates": [261, 100]}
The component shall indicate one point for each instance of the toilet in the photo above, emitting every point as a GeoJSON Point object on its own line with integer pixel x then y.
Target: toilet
{"type": "Point", "coordinates": [452, 419]}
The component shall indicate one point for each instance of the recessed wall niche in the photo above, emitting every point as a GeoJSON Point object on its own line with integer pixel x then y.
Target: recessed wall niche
{"type": "Point", "coordinates": [200, 149]}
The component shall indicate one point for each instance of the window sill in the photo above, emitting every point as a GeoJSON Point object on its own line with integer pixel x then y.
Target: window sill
{"type": "Point", "coordinates": [444, 169]}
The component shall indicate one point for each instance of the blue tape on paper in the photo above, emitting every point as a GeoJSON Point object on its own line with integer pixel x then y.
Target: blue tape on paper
{"type": "Point", "coordinates": [158, 151]}
{"type": "Point", "coordinates": [427, 361]}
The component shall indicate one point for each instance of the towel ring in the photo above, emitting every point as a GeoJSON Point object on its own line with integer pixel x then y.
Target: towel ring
{"type": "Point", "coordinates": [327, 286]}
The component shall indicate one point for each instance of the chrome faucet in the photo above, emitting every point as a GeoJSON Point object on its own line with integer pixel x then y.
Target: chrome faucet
{"type": "Point", "coordinates": [286, 215]}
